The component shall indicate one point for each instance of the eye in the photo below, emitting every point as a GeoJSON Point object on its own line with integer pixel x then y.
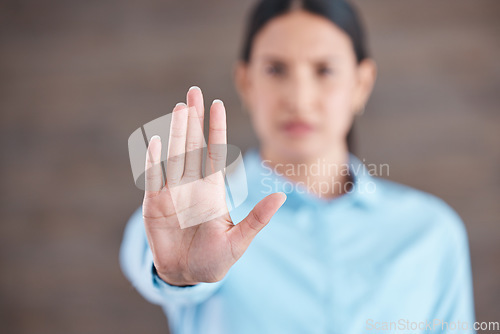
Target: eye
{"type": "Point", "coordinates": [275, 69]}
{"type": "Point", "coordinates": [325, 71]}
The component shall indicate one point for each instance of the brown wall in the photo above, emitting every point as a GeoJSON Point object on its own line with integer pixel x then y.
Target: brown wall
{"type": "Point", "coordinates": [77, 77]}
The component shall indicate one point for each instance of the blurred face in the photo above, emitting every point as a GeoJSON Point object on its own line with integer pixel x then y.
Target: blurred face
{"type": "Point", "coordinates": [303, 86]}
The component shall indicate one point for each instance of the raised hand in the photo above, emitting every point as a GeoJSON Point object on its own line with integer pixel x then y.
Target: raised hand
{"type": "Point", "coordinates": [189, 229]}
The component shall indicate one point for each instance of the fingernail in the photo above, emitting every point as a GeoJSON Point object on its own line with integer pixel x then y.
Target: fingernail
{"type": "Point", "coordinates": [195, 87]}
{"type": "Point", "coordinates": [180, 103]}
{"type": "Point", "coordinates": [284, 198]}
{"type": "Point", "coordinates": [155, 137]}
{"type": "Point", "coordinates": [217, 101]}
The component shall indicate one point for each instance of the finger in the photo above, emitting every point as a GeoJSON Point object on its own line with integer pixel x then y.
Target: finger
{"type": "Point", "coordinates": [217, 139]}
{"type": "Point", "coordinates": [242, 234]}
{"type": "Point", "coordinates": [153, 170]}
{"type": "Point", "coordinates": [194, 99]}
{"type": "Point", "coordinates": [195, 140]}
{"type": "Point", "coordinates": [177, 144]}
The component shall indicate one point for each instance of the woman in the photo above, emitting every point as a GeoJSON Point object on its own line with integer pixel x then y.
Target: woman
{"type": "Point", "coordinates": [346, 252]}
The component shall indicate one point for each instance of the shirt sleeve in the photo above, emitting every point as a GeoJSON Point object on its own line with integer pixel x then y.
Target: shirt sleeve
{"type": "Point", "coordinates": [456, 302]}
{"type": "Point", "coordinates": [136, 260]}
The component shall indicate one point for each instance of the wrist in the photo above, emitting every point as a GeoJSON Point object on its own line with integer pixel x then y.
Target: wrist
{"type": "Point", "coordinates": [173, 282]}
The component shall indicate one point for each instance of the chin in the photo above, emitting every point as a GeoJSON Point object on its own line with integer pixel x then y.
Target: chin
{"type": "Point", "coordinates": [300, 151]}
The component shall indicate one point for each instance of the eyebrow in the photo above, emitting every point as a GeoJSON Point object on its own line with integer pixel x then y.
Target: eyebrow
{"type": "Point", "coordinates": [278, 59]}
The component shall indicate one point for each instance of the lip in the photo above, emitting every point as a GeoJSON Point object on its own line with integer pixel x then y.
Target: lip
{"type": "Point", "coordinates": [297, 128]}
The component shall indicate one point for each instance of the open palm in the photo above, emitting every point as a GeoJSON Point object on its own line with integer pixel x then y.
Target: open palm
{"type": "Point", "coordinates": [189, 229]}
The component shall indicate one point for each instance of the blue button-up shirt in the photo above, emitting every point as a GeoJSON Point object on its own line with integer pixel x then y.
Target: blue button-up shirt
{"type": "Point", "coordinates": [382, 258]}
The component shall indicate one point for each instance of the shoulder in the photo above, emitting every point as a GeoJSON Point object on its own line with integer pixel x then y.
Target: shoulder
{"type": "Point", "coordinates": [419, 208]}
{"type": "Point", "coordinates": [425, 230]}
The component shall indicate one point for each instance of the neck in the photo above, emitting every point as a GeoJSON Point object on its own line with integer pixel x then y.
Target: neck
{"type": "Point", "coordinates": [325, 176]}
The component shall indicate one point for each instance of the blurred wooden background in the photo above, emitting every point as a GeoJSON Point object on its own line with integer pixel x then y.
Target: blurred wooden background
{"type": "Point", "coordinates": [77, 77]}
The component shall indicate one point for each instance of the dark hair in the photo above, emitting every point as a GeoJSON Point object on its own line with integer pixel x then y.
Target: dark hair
{"type": "Point", "coordinates": [340, 12]}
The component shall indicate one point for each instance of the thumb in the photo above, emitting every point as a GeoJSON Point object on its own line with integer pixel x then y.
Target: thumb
{"type": "Point", "coordinates": [242, 234]}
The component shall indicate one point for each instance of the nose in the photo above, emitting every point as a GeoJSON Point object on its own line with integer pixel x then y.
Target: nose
{"type": "Point", "coordinates": [300, 93]}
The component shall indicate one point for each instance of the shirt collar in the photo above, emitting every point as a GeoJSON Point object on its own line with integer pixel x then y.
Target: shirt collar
{"type": "Point", "coordinates": [262, 181]}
